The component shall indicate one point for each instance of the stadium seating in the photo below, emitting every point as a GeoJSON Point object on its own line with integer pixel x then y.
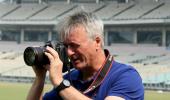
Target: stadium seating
{"type": "Point", "coordinates": [106, 11]}
{"type": "Point", "coordinates": [83, 6]}
{"type": "Point", "coordinates": [112, 9]}
{"type": "Point", "coordinates": [158, 13]}
{"type": "Point", "coordinates": [24, 11]}
{"type": "Point", "coordinates": [7, 8]}
{"type": "Point", "coordinates": [52, 11]}
{"type": "Point", "coordinates": [137, 11]}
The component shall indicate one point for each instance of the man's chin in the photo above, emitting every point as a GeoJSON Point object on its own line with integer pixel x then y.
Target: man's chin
{"type": "Point", "coordinates": [76, 63]}
{"type": "Point", "coordinates": [78, 66]}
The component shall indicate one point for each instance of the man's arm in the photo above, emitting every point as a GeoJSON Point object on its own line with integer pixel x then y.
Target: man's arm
{"type": "Point", "coordinates": [35, 92]}
{"type": "Point", "coordinates": [113, 98]}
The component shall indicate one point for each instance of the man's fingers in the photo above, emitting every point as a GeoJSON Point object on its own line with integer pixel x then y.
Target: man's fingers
{"type": "Point", "coordinates": [52, 52]}
{"type": "Point", "coordinates": [50, 57]}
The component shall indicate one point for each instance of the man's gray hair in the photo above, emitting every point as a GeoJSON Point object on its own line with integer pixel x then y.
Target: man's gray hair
{"type": "Point", "coordinates": [92, 24]}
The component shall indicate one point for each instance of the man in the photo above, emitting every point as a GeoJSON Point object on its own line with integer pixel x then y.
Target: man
{"type": "Point", "coordinates": [96, 75]}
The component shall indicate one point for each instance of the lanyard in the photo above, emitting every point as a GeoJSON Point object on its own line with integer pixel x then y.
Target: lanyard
{"type": "Point", "coordinates": [101, 74]}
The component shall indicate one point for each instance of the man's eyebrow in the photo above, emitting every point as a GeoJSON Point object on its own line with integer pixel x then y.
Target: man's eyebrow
{"type": "Point", "coordinates": [75, 43]}
{"type": "Point", "coordinates": [72, 42]}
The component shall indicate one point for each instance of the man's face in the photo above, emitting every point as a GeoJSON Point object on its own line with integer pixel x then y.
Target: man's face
{"type": "Point", "coordinates": [81, 50]}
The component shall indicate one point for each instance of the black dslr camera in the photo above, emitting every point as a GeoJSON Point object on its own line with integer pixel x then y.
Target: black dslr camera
{"type": "Point", "coordinates": [35, 56]}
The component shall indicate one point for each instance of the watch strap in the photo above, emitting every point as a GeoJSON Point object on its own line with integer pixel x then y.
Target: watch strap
{"type": "Point", "coordinates": [61, 86]}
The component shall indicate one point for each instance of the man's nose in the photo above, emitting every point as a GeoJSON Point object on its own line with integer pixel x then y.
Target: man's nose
{"type": "Point", "coordinates": [70, 51]}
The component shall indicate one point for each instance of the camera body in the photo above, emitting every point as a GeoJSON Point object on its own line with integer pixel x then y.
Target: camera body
{"type": "Point", "coordinates": [35, 56]}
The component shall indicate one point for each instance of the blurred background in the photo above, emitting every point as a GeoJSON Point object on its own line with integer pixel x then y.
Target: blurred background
{"type": "Point", "coordinates": [137, 32]}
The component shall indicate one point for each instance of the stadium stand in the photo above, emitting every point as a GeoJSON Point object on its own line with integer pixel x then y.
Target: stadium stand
{"type": "Point", "coordinates": [158, 13]}
{"type": "Point", "coordinates": [89, 7]}
{"type": "Point", "coordinates": [24, 12]}
{"type": "Point", "coordinates": [53, 11]}
{"type": "Point", "coordinates": [112, 9]}
{"type": "Point", "coordinates": [138, 11]}
{"type": "Point", "coordinates": [92, 7]}
{"type": "Point", "coordinates": [84, 1]}
{"type": "Point", "coordinates": [7, 8]}
{"type": "Point", "coordinates": [106, 11]}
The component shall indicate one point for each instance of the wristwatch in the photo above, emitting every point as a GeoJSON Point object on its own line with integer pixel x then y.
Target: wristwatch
{"type": "Point", "coordinates": [64, 84]}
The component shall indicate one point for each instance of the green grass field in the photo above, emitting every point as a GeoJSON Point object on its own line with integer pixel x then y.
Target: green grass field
{"type": "Point", "coordinates": [18, 91]}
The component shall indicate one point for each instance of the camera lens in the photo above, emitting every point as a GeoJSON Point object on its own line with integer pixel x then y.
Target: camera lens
{"type": "Point", "coordinates": [35, 56]}
{"type": "Point", "coordinates": [29, 56]}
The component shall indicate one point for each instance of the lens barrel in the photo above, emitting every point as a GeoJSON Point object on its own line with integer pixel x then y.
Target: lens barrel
{"type": "Point", "coordinates": [35, 56]}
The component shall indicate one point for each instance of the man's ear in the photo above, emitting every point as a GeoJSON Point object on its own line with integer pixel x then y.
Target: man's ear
{"type": "Point", "coordinates": [98, 42]}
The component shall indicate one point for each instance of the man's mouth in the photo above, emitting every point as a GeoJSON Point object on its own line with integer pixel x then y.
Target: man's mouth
{"type": "Point", "coordinates": [75, 60]}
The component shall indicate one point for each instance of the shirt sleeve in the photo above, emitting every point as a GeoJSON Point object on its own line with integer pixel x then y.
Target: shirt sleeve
{"type": "Point", "coordinates": [128, 86]}
{"type": "Point", "coordinates": [52, 95]}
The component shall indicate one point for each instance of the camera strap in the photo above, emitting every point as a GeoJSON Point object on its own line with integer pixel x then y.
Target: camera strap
{"type": "Point", "coordinates": [101, 74]}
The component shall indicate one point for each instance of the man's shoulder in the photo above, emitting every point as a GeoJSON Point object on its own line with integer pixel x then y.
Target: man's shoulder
{"type": "Point", "coordinates": [119, 70]}
{"type": "Point", "coordinates": [122, 78]}
{"type": "Point", "coordinates": [121, 67]}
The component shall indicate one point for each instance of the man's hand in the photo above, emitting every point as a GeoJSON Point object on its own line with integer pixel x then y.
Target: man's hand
{"type": "Point", "coordinates": [55, 67]}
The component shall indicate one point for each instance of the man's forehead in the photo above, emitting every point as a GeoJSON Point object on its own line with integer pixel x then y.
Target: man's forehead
{"type": "Point", "coordinates": [76, 33]}
{"type": "Point", "coordinates": [71, 43]}
{"type": "Point", "coordinates": [72, 39]}
{"type": "Point", "coordinates": [77, 29]}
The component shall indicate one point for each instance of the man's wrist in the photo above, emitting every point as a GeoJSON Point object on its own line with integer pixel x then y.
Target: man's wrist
{"type": "Point", "coordinates": [40, 80]}
{"type": "Point", "coordinates": [63, 85]}
{"type": "Point", "coordinates": [57, 82]}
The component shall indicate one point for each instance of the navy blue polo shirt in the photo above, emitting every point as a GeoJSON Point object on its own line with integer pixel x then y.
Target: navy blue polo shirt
{"type": "Point", "coordinates": [122, 80]}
